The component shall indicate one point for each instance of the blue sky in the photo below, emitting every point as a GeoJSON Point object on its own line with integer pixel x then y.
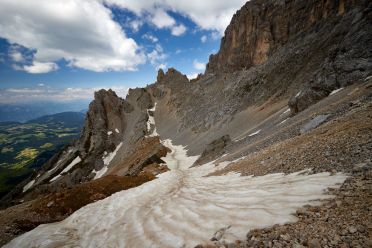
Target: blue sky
{"type": "Point", "coordinates": [64, 50]}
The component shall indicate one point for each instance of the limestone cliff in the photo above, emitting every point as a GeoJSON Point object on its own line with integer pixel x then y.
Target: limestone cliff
{"type": "Point", "coordinates": [260, 27]}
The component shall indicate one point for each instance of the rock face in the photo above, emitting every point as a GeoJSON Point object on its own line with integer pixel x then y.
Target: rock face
{"type": "Point", "coordinates": [330, 37]}
{"type": "Point", "coordinates": [214, 149]}
{"type": "Point", "coordinates": [260, 27]}
{"type": "Point", "coordinates": [105, 118]}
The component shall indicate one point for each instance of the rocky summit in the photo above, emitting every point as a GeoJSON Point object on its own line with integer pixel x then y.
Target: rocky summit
{"type": "Point", "coordinates": [269, 147]}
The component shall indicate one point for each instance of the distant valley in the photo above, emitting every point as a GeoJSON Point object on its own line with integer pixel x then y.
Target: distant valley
{"type": "Point", "coordinates": [24, 147]}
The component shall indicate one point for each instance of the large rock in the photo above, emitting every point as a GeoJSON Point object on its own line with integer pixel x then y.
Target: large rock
{"type": "Point", "coordinates": [214, 149]}
{"type": "Point", "coordinates": [104, 122]}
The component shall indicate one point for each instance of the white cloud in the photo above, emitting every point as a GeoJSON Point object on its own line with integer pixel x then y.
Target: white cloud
{"type": "Point", "coordinates": [150, 37]}
{"type": "Point", "coordinates": [161, 19]}
{"type": "Point", "coordinates": [215, 35]}
{"type": "Point", "coordinates": [207, 14]}
{"type": "Point", "coordinates": [40, 67]}
{"type": "Point", "coordinates": [203, 39]}
{"type": "Point", "coordinates": [192, 76]}
{"type": "Point", "coordinates": [17, 67]}
{"type": "Point", "coordinates": [199, 65]}
{"type": "Point", "coordinates": [41, 85]}
{"type": "Point", "coordinates": [135, 25]}
{"type": "Point", "coordinates": [80, 31]}
{"type": "Point", "coordinates": [157, 56]}
{"type": "Point", "coordinates": [178, 30]}
{"type": "Point", "coordinates": [16, 56]}
{"type": "Point", "coordinates": [162, 66]}
{"type": "Point", "coordinates": [43, 93]}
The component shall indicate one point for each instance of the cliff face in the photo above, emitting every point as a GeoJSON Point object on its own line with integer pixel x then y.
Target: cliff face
{"type": "Point", "coordinates": [314, 46]}
{"type": "Point", "coordinates": [106, 115]}
{"type": "Point", "coordinates": [260, 27]}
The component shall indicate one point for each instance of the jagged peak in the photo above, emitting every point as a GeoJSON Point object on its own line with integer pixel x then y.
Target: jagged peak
{"type": "Point", "coordinates": [171, 76]}
{"type": "Point", "coordinates": [160, 75]}
{"type": "Point", "coordinates": [103, 93]}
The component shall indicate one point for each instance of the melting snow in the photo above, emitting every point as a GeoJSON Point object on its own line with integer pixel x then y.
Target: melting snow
{"type": "Point", "coordinates": [106, 161]}
{"type": "Point", "coordinates": [28, 186]}
{"type": "Point", "coordinates": [151, 121]}
{"type": "Point", "coordinates": [109, 133]}
{"type": "Point", "coordinates": [117, 130]}
{"type": "Point", "coordinates": [249, 135]}
{"type": "Point", "coordinates": [285, 111]}
{"type": "Point", "coordinates": [335, 91]}
{"type": "Point", "coordinates": [283, 121]}
{"type": "Point", "coordinates": [182, 207]}
{"type": "Point", "coordinates": [298, 94]}
{"type": "Point", "coordinates": [252, 134]}
{"type": "Point", "coordinates": [68, 167]}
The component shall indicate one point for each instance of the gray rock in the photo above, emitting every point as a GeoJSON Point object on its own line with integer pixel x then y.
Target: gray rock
{"type": "Point", "coordinates": [314, 243]}
{"type": "Point", "coordinates": [352, 229]}
{"type": "Point", "coordinates": [213, 149]}
{"type": "Point", "coordinates": [50, 204]}
{"type": "Point", "coordinates": [315, 122]}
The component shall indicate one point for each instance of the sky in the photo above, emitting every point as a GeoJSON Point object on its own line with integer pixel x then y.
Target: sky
{"type": "Point", "coordinates": [64, 50]}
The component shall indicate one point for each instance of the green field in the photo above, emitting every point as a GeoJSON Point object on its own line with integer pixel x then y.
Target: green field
{"type": "Point", "coordinates": [25, 147]}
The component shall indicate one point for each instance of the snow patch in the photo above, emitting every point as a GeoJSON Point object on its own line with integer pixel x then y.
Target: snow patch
{"type": "Point", "coordinates": [68, 167]}
{"type": "Point", "coordinates": [298, 94]}
{"type": "Point", "coordinates": [253, 134]}
{"type": "Point", "coordinates": [285, 111]}
{"type": "Point", "coordinates": [107, 158]}
{"type": "Point", "coordinates": [367, 78]}
{"type": "Point", "coordinates": [109, 133]}
{"type": "Point", "coordinates": [249, 135]}
{"type": "Point", "coordinates": [28, 185]}
{"type": "Point", "coordinates": [282, 122]}
{"type": "Point", "coordinates": [117, 130]}
{"type": "Point", "coordinates": [182, 207]}
{"type": "Point", "coordinates": [335, 91]}
{"type": "Point", "coordinates": [151, 122]}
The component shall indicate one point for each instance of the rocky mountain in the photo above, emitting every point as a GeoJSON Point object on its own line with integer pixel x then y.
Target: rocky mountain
{"type": "Point", "coordinates": [289, 92]}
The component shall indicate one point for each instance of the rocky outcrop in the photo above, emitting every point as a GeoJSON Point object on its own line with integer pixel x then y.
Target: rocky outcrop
{"type": "Point", "coordinates": [214, 149]}
{"type": "Point", "coordinates": [104, 123]}
{"type": "Point", "coordinates": [261, 26]}
{"type": "Point", "coordinates": [324, 45]}
{"type": "Point", "coordinates": [111, 123]}
{"type": "Point", "coordinates": [171, 78]}
{"type": "Point", "coordinates": [145, 152]}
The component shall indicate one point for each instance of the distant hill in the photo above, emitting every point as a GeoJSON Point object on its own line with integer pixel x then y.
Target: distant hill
{"type": "Point", "coordinates": [68, 119]}
{"type": "Point", "coordinates": [29, 111]}
{"type": "Point", "coordinates": [26, 146]}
